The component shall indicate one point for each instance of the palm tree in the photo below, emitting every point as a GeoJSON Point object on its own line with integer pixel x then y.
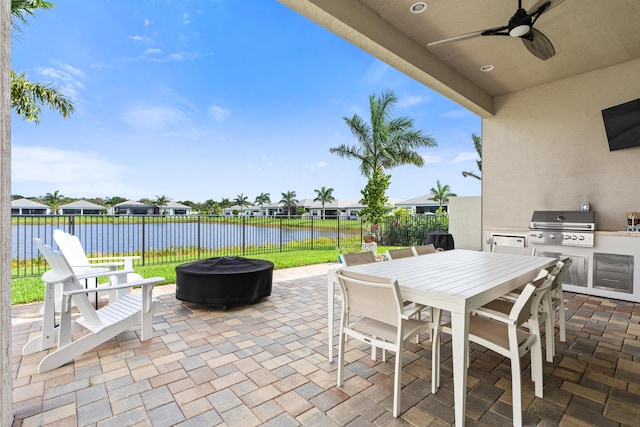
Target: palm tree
{"type": "Point", "coordinates": [385, 142]}
{"type": "Point", "coordinates": [112, 201]}
{"type": "Point", "coordinates": [477, 142]}
{"type": "Point", "coordinates": [324, 196]}
{"type": "Point", "coordinates": [289, 200]}
{"type": "Point", "coordinates": [160, 202]}
{"type": "Point", "coordinates": [242, 201]}
{"type": "Point", "coordinates": [262, 199]}
{"type": "Point", "coordinates": [26, 96]}
{"type": "Point", "coordinates": [382, 144]}
{"type": "Point", "coordinates": [211, 206]}
{"type": "Point", "coordinates": [441, 194]}
{"type": "Point", "coordinates": [53, 200]}
{"type": "Point", "coordinates": [225, 203]}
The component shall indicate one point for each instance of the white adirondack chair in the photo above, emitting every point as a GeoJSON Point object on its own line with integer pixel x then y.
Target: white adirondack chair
{"type": "Point", "coordinates": [102, 325]}
{"type": "Point", "coordinates": [72, 249]}
{"type": "Point", "coordinates": [75, 254]}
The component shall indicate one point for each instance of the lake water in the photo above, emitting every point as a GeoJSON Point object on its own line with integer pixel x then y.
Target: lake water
{"type": "Point", "coordinates": [110, 238]}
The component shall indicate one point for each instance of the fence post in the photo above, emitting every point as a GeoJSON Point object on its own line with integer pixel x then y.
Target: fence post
{"type": "Point", "coordinates": [142, 252]}
{"type": "Point", "coordinates": [244, 231]}
{"type": "Point", "coordinates": [338, 219]}
{"type": "Point", "coordinates": [281, 234]}
{"type": "Point", "coordinates": [311, 230]}
{"type": "Point", "coordinates": [198, 228]}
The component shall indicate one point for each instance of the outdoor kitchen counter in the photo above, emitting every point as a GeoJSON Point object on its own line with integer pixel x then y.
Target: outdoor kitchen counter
{"type": "Point", "coordinates": [617, 243]}
{"type": "Point", "coordinates": [618, 233]}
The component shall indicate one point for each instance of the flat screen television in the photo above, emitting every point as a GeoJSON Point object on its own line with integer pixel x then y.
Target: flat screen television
{"type": "Point", "coordinates": [622, 124]}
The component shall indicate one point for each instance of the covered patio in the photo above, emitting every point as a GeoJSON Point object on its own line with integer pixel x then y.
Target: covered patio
{"type": "Point", "coordinates": [266, 364]}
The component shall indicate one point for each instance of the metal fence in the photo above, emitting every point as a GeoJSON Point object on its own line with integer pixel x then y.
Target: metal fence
{"type": "Point", "coordinates": [175, 239]}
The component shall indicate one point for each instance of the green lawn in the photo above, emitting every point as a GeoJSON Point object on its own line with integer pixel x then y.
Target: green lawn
{"type": "Point", "coordinates": [31, 289]}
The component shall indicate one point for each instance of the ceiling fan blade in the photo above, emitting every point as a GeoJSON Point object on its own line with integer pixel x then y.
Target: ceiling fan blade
{"type": "Point", "coordinates": [539, 3]}
{"type": "Point", "coordinates": [539, 45]}
{"type": "Point", "coordinates": [456, 38]}
{"type": "Point", "coordinates": [488, 32]}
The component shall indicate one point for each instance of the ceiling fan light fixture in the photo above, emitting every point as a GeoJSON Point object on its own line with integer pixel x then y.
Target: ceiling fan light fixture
{"type": "Point", "coordinates": [520, 30]}
{"type": "Point", "coordinates": [418, 7]}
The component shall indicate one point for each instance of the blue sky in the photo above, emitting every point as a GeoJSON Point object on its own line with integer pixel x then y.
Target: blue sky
{"type": "Point", "coordinates": [198, 100]}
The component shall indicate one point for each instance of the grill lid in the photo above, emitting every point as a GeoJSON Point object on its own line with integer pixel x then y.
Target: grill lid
{"type": "Point", "coordinates": [563, 220]}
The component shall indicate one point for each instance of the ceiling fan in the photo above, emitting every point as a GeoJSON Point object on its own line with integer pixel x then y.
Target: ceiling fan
{"type": "Point", "coordinates": [521, 26]}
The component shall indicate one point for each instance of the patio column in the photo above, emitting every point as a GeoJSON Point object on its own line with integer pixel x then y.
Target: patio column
{"type": "Point", "coordinates": [6, 383]}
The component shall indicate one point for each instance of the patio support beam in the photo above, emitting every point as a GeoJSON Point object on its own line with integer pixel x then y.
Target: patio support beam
{"type": "Point", "coordinates": [6, 383]}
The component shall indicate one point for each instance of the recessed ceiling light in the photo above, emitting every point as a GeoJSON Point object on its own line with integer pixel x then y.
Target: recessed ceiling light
{"type": "Point", "coordinates": [486, 68]}
{"type": "Point", "coordinates": [418, 7]}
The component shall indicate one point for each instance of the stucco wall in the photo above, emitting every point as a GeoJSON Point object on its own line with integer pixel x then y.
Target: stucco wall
{"type": "Point", "coordinates": [465, 222]}
{"type": "Point", "coordinates": [546, 149]}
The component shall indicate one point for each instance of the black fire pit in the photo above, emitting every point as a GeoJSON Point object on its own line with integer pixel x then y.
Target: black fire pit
{"type": "Point", "coordinates": [224, 281]}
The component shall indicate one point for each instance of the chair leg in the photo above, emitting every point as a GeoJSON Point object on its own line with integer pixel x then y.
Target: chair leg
{"type": "Point", "coordinates": [435, 349]}
{"type": "Point", "coordinates": [536, 368]}
{"type": "Point", "coordinates": [562, 318]}
{"type": "Point", "coordinates": [341, 343]}
{"type": "Point", "coordinates": [549, 330]}
{"type": "Point", "coordinates": [397, 381]}
{"type": "Point", "coordinates": [516, 387]}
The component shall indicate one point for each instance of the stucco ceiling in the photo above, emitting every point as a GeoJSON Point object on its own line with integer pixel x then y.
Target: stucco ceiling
{"type": "Point", "coordinates": [587, 35]}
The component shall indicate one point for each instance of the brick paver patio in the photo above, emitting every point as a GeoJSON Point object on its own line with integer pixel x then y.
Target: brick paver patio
{"type": "Point", "coordinates": [266, 364]}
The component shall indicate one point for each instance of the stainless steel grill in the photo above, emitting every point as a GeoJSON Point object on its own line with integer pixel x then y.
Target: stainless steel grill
{"type": "Point", "coordinates": [566, 228]}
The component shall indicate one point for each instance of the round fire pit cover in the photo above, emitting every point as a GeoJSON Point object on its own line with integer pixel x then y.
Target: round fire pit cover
{"type": "Point", "coordinates": [224, 281]}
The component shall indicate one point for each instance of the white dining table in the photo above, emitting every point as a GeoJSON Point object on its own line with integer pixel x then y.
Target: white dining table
{"type": "Point", "coordinates": [458, 281]}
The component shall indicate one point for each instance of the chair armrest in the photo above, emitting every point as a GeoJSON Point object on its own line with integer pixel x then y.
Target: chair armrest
{"type": "Point", "coordinates": [493, 315]}
{"type": "Point", "coordinates": [115, 257]}
{"type": "Point", "coordinates": [104, 274]}
{"type": "Point", "coordinates": [152, 281]}
{"type": "Point", "coordinates": [98, 264]}
{"type": "Point", "coordinates": [412, 311]}
{"type": "Point", "coordinates": [51, 276]}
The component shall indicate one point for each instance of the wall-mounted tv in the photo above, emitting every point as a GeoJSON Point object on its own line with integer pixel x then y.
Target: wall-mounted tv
{"type": "Point", "coordinates": [622, 124]}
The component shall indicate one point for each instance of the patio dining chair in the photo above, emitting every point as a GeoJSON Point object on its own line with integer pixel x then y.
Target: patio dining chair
{"type": "Point", "coordinates": [101, 325]}
{"type": "Point", "coordinates": [373, 313]}
{"type": "Point", "coordinates": [424, 249]}
{"type": "Point", "coordinates": [367, 257]}
{"type": "Point", "coordinates": [358, 258]}
{"type": "Point", "coordinates": [511, 335]}
{"type": "Point", "coordinates": [546, 312]}
{"type": "Point", "coordinates": [557, 302]}
{"type": "Point", "coordinates": [514, 250]}
{"type": "Point", "coordinates": [400, 253]}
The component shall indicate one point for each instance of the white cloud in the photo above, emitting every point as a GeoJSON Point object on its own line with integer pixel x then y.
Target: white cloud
{"type": "Point", "coordinates": [66, 78]}
{"type": "Point", "coordinates": [265, 165]}
{"type": "Point", "coordinates": [455, 114]}
{"type": "Point", "coordinates": [374, 73]}
{"type": "Point", "coordinates": [156, 117]}
{"type": "Point", "coordinates": [317, 165]}
{"type": "Point", "coordinates": [411, 100]}
{"type": "Point", "coordinates": [464, 157]}
{"type": "Point", "coordinates": [432, 159]}
{"type": "Point", "coordinates": [218, 113]}
{"type": "Point", "coordinates": [147, 22]}
{"type": "Point", "coordinates": [172, 57]}
{"type": "Point", "coordinates": [74, 173]}
{"type": "Point", "coordinates": [151, 51]}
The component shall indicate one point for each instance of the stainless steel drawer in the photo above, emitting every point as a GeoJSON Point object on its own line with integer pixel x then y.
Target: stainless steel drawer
{"type": "Point", "coordinates": [613, 272]}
